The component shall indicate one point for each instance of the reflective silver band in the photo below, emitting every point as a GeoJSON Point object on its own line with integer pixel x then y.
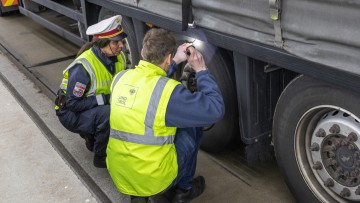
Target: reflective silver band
{"type": "Point", "coordinates": [100, 99]}
{"type": "Point", "coordinates": [142, 139]}
{"type": "Point", "coordinates": [153, 105]}
{"type": "Point", "coordinates": [89, 68]}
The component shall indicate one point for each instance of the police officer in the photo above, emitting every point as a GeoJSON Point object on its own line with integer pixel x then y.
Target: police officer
{"type": "Point", "coordinates": [82, 104]}
{"type": "Point", "coordinates": [155, 121]}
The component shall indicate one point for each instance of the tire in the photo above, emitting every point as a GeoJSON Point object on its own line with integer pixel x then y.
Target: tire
{"type": "Point", "coordinates": [131, 50]}
{"type": "Point", "coordinates": [306, 155]}
{"type": "Point", "coordinates": [218, 136]}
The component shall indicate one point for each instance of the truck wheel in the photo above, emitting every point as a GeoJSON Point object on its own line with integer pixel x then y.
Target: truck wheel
{"type": "Point", "coordinates": [130, 49]}
{"type": "Point", "coordinates": [316, 130]}
{"type": "Point", "coordinates": [218, 136]}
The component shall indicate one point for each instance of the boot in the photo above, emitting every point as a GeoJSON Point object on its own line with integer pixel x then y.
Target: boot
{"type": "Point", "coordinates": [100, 161]}
{"type": "Point", "coordinates": [89, 141]}
{"type": "Point", "coordinates": [184, 196]}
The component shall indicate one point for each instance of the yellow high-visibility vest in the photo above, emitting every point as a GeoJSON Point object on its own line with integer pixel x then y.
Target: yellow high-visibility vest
{"type": "Point", "coordinates": [100, 77]}
{"type": "Point", "coordinates": [141, 155]}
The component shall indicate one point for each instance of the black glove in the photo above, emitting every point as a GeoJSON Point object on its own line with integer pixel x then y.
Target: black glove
{"type": "Point", "coordinates": [106, 98]}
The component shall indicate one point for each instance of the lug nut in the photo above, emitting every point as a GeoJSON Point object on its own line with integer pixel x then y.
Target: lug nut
{"type": "Point", "coordinates": [317, 166]}
{"type": "Point", "coordinates": [345, 192]}
{"type": "Point", "coordinates": [321, 133]}
{"type": "Point", "coordinates": [337, 143]}
{"type": "Point", "coordinates": [351, 146]}
{"type": "Point", "coordinates": [315, 147]}
{"type": "Point", "coordinates": [339, 170]}
{"type": "Point", "coordinates": [335, 129]}
{"type": "Point", "coordinates": [357, 154]}
{"type": "Point", "coordinates": [357, 191]}
{"type": "Point", "coordinates": [332, 155]}
{"type": "Point", "coordinates": [344, 142]}
{"type": "Point", "coordinates": [352, 137]}
{"type": "Point", "coordinates": [353, 174]}
{"type": "Point", "coordinates": [329, 182]}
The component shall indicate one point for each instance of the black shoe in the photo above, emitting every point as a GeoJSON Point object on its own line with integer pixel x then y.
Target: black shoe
{"type": "Point", "coordinates": [89, 141]}
{"type": "Point", "coordinates": [184, 196]}
{"type": "Point", "coordinates": [135, 199]}
{"type": "Point", "coordinates": [100, 161]}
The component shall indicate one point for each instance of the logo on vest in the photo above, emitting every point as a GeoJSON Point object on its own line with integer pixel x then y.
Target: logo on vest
{"type": "Point", "coordinates": [127, 96]}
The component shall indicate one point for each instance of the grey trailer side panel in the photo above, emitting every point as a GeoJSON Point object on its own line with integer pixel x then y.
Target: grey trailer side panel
{"type": "Point", "coordinates": [322, 31]}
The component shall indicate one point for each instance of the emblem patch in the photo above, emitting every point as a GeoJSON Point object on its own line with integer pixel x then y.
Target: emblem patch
{"type": "Point", "coordinates": [79, 89]}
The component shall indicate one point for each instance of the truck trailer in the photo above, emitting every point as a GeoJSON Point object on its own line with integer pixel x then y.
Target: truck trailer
{"type": "Point", "coordinates": [288, 71]}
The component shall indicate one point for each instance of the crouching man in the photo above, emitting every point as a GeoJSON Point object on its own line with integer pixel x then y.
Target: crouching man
{"type": "Point", "coordinates": [156, 122]}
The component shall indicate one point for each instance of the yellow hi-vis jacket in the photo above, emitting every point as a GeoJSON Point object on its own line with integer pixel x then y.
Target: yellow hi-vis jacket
{"type": "Point", "coordinates": [100, 77]}
{"type": "Point", "coordinates": [141, 155]}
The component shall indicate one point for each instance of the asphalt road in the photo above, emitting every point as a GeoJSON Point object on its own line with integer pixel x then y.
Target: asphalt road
{"type": "Point", "coordinates": [40, 56]}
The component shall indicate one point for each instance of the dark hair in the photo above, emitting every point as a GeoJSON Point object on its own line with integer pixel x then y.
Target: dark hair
{"type": "Point", "coordinates": [157, 44]}
{"type": "Point", "coordinates": [100, 43]}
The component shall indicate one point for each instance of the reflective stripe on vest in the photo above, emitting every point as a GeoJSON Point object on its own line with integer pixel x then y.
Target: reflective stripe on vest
{"type": "Point", "coordinates": [90, 70]}
{"type": "Point", "coordinates": [148, 138]}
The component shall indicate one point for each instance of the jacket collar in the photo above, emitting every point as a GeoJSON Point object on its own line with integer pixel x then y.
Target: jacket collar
{"type": "Point", "coordinates": [150, 68]}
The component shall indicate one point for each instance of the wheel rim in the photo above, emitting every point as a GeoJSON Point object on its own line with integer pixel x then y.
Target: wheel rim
{"type": "Point", "coordinates": [327, 153]}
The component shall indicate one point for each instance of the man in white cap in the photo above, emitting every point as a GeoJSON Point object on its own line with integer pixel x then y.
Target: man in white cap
{"type": "Point", "coordinates": [82, 103]}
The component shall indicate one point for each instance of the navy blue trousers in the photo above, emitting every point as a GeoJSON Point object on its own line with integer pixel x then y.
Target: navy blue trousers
{"type": "Point", "coordinates": [187, 144]}
{"type": "Point", "coordinates": [94, 121]}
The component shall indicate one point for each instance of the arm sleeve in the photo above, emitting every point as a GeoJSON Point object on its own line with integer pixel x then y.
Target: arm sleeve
{"type": "Point", "coordinates": [202, 108]}
{"type": "Point", "coordinates": [172, 69]}
{"type": "Point", "coordinates": [76, 102]}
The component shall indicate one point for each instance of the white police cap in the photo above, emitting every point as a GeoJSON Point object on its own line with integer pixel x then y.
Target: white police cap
{"type": "Point", "coordinates": [108, 29]}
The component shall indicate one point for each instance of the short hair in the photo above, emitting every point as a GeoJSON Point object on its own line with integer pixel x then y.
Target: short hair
{"type": "Point", "coordinates": [158, 43]}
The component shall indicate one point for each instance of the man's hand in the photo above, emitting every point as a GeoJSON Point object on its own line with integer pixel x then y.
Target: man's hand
{"type": "Point", "coordinates": [180, 55]}
{"type": "Point", "coordinates": [196, 60]}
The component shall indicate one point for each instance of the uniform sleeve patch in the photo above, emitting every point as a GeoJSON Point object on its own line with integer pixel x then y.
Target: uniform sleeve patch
{"type": "Point", "coordinates": [79, 89]}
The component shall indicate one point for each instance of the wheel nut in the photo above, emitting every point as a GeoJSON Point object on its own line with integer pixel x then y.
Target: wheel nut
{"type": "Point", "coordinates": [331, 154]}
{"type": "Point", "coordinates": [357, 154]}
{"type": "Point", "coordinates": [329, 182]}
{"type": "Point", "coordinates": [352, 137]}
{"type": "Point", "coordinates": [335, 129]}
{"type": "Point", "coordinates": [321, 133]}
{"type": "Point", "coordinates": [345, 192]}
{"type": "Point", "coordinates": [357, 191]}
{"type": "Point", "coordinates": [315, 147]}
{"type": "Point", "coordinates": [353, 174]}
{"type": "Point", "coordinates": [339, 170]}
{"type": "Point", "coordinates": [337, 143]}
{"type": "Point", "coordinates": [344, 142]}
{"type": "Point", "coordinates": [351, 146]}
{"type": "Point", "coordinates": [317, 166]}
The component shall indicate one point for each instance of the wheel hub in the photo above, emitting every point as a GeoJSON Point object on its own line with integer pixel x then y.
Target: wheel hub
{"type": "Point", "coordinates": [340, 159]}
{"type": "Point", "coordinates": [335, 154]}
{"type": "Point", "coordinates": [345, 158]}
